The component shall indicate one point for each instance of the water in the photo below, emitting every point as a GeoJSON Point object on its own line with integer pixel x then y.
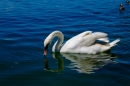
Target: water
{"type": "Point", "coordinates": [25, 24]}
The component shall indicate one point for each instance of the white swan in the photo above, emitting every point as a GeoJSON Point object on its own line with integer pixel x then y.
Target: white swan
{"type": "Point", "coordinates": [83, 43]}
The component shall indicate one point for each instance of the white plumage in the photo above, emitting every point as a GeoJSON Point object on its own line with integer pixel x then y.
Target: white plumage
{"type": "Point", "coordinates": [83, 43]}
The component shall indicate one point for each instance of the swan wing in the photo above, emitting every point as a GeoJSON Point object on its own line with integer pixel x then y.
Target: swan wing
{"type": "Point", "coordinates": [89, 40]}
{"type": "Point", "coordinates": [85, 39]}
{"type": "Point", "coordinates": [76, 40]}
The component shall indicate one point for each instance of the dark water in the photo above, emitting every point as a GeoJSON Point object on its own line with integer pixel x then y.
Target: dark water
{"type": "Point", "coordinates": [24, 24]}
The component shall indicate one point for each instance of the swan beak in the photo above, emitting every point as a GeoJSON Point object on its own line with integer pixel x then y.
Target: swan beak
{"type": "Point", "coordinates": [46, 49]}
{"type": "Point", "coordinates": [45, 52]}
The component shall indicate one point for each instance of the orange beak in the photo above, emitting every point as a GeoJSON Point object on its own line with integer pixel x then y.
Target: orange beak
{"type": "Point", "coordinates": [45, 52]}
{"type": "Point", "coordinates": [46, 49]}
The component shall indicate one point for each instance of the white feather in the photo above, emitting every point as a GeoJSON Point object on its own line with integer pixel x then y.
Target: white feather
{"type": "Point", "coordinates": [82, 43]}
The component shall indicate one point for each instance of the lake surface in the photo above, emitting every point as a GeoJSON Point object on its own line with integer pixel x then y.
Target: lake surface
{"type": "Point", "coordinates": [24, 24]}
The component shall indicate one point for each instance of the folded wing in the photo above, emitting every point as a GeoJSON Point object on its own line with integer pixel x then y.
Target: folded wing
{"type": "Point", "coordinates": [85, 39]}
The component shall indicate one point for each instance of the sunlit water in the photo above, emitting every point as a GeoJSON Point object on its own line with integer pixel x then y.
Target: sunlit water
{"type": "Point", "coordinates": [24, 24]}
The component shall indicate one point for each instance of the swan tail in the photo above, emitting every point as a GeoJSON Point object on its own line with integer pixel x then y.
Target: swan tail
{"type": "Point", "coordinates": [114, 42]}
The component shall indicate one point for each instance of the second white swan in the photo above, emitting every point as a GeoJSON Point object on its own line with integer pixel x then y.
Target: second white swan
{"type": "Point", "coordinates": [83, 43]}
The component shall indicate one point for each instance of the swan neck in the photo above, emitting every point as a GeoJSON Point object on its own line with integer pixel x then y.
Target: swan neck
{"type": "Point", "coordinates": [57, 45]}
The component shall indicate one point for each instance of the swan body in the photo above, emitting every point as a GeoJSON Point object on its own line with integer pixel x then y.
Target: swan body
{"type": "Point", "coordinates": [83, 43]}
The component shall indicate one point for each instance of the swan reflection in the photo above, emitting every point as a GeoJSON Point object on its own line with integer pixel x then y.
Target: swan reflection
{"type": "Point", "coordinates": [60, 63]}
{"type": "Point", "coordinates": [84, 63]}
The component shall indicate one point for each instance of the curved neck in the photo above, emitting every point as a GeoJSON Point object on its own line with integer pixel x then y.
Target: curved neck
{"type": "Point", "coordinates": [57, 45]}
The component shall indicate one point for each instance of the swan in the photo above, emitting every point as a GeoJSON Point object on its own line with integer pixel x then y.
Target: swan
{"type": "Point", "coordinates": [84, 42]}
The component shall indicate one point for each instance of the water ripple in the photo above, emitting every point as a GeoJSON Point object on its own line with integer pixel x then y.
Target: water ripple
{"type": "Point", "coordinates": [25, 24]}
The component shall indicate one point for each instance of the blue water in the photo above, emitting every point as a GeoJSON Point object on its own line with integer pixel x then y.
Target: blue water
{"type": "Point", "coordinates": [24, 24]}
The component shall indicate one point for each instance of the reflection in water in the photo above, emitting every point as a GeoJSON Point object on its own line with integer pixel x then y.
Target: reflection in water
{"type": "Point", "coordinates": [60, 63]}
{"type": "Point", "coordinates": [84, 63]}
